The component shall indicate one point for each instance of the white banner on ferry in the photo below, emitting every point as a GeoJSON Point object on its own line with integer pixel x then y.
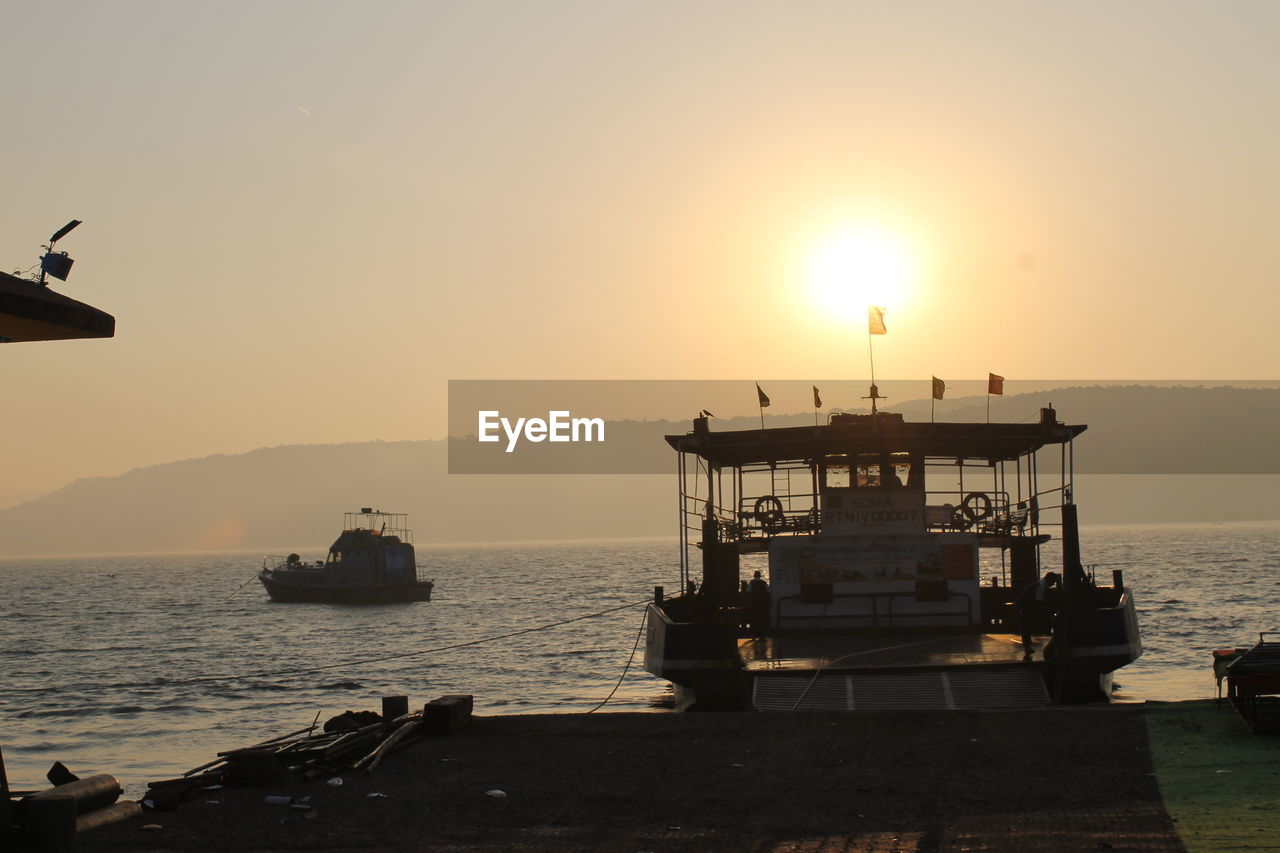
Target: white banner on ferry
{"type": "Point", "coordinates": [806, 559]}
{"type": "Point", "coordinates": [871, 512]}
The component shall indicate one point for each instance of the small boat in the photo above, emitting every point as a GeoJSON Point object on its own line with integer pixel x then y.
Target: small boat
{"type": "Point", "coordinates": [371, 562]}
{"type": "Point", "coordinates": [1253, 683]}
{"type": "Point", "coordinates": [891, 563]}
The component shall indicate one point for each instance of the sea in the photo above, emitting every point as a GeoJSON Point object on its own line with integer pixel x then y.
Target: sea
{"type": "Point", "coordinates": [147, 666]}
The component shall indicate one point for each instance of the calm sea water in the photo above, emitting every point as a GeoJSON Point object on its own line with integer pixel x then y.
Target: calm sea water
{"type": "Point", "coordinates": [107, 660]}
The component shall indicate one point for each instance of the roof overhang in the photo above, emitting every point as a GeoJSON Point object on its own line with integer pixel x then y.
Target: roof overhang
{"type": "Point", "coordinates": [32, 312]}
{"type": "Point", "coordinates": [991, 442]}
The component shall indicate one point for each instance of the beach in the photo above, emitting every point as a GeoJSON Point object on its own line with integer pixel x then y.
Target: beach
{"type": "Point", "coordinates": [1067, 778]}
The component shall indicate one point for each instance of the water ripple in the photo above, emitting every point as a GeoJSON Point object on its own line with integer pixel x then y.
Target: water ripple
{"type": "Point", "coordinates": [113, 683]}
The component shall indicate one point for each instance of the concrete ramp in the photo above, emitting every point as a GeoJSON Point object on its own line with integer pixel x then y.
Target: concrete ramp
{"type": "Point", "coordinates": [995, 687]}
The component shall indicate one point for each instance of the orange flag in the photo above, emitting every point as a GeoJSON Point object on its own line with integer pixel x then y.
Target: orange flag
{"type": "Point", "coordinates": [995, 384]}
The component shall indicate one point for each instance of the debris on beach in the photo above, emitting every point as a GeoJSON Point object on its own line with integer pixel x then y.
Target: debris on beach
{"type": "Point", "coordinates": [353, 740]}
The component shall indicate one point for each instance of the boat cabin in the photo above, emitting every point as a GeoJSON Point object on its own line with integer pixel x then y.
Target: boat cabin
{"type": "Point", "coordinates": [373, 547]}
{"type": "Point", "coordinates": [870, 521]}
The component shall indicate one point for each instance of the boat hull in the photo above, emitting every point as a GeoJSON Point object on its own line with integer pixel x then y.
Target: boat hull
{"type": "Point", "coordinates": [282, 588]}
{"type": "Point", "coordinates": [712, 669]}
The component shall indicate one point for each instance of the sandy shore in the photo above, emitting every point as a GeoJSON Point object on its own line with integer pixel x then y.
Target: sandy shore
{"type": "Point", "coordinates": [1219, 781]}
{"type": "Point", "coordinates": [1039, 780]}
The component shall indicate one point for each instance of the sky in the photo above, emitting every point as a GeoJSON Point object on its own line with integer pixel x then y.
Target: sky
{"type": "Point", "coordinates": [308, 216]}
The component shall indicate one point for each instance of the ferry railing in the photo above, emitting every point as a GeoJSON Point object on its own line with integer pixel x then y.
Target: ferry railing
{"type": "Point", "coordinates": [1001, 514]}
{"type": "Point", "coordinates": [385, 523]}
{"type": "Point", "coordinates": [1004, 515]}
{"type": "Point", "coordinates": [272, 562]}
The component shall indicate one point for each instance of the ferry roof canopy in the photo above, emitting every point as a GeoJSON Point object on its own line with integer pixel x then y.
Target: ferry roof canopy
{"type": "Point", "coordinates": [883, 433]}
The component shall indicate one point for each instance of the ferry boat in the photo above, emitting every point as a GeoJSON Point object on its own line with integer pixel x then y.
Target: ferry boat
{"type": "Point", "coordinates": [371, 562]}
{"type": "Point", "coordinates": [893, 565]}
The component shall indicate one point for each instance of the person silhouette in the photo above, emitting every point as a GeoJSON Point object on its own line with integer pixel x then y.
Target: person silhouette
{"type": "Point", "coordinates": [1033, 605]}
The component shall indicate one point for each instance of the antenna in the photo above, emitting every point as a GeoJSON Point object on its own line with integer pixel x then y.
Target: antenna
{"type": "Point", "coordinates": [873, 396]}
{"type": "Point", "coordinates": [57, 264]}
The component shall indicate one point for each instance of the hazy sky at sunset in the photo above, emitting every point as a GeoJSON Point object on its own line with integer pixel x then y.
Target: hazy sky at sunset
{"type": "Point", "coordinates": [308, 216]}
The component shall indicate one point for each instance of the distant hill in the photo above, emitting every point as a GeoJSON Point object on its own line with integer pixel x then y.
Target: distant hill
{"type": "Point", "coordinates": [1137, 429]}
{"type": "Point", "coordinates": [293, 496]}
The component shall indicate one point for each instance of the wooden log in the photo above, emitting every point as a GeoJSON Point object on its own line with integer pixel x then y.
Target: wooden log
{"type": "Point", "coordinates": [310, 744]}
{"type": "Point", "coordinates": [352, 739]}
{"type": "Point", "coordinates": [93, 792]}
{"type": "Point", "coordinates": [374, 758]}
{"type": "Point", "coordinates": [167, 794]}
{"type": "Point", "coordinates": [372, 735]}
{"type": "Point", "coordinates": [47, 823]}
{"type": "Point", "coordinates": [221, 759]}
{"type": "Point", "coordinates": [274, 740]}
{"type": "Point", "coordinates": [105, 817]}
{"type": "Point", "coordinates": [448, 714]}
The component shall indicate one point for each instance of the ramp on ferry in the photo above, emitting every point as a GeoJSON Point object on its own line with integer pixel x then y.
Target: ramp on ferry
{"type": "Point", "coordinates": [893, 670]}
{"type": "Point", "coordinates": [989, 687]}
{"type": "Point", "coordinates": [813, 650]}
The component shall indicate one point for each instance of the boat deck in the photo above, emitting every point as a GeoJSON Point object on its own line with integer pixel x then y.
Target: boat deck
{"type": "Point", "coordinates": [902, 650]}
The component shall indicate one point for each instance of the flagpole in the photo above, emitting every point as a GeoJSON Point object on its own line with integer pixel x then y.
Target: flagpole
{"type": "Point", "coordinates": [871, 353]}
{"type": "Point", "coordinates": [875, 326]}
{"type": "Point", "coordinates": [762, 400]}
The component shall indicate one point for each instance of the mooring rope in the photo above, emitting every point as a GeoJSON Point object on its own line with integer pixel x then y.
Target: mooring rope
{"type": "Point", "coordinates": [205, 679]}
{"type": "Point", "coordinates": [640, 633]}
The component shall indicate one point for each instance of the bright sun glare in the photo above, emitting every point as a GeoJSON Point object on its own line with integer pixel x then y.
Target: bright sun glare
{"type": "Point", "coordinates": [860, 266]}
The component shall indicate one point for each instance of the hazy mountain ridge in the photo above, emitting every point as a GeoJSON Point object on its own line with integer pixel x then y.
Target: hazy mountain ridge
{"type": "Point", "coordinates": [293, 495]}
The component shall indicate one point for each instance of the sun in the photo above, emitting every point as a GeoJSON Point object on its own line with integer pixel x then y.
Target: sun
{"type": "Point", "coordinates": [860, 266]}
